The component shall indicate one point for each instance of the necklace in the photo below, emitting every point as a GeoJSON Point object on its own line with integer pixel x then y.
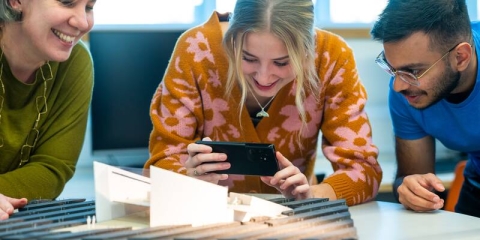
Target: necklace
{"type": "Point", "coordinates": [262, 112]}
{"type": "Point", "coordinates": [41, 109]}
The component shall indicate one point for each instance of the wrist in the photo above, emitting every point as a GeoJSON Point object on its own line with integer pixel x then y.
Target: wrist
{"type": "Point", "coordinates": [398, 181]}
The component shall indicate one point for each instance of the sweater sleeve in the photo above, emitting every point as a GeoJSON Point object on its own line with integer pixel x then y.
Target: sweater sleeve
{"type": "Point", "coordinates": [176, 109]}
{"type": "Point", "coordinates": [61, 132]}
{"type": "Point", "coordinates": [346, 131]}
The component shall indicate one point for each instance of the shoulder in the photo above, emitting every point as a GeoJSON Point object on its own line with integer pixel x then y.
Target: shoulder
{"type": "Point", "coordinates": [332, 49]}
{"type": "Point", "coordinates": [203, 42]}
{"type": "Point", "coordinates": [81, 49]}
{"type": "Point", "coordinates": [80, 58]}
{"type": "Point", "coordinates": [79, 64]}
{"type": "Point", "coordinates": [326, 40]}
{"type": "Point", "coordinates": [475, 26]}
{"type": "Point", "coordinates": [476, 31]}
{"type": "Point", "coordinates": [210, 28]}
{"type": "Point", "coordinates": [333, 46]}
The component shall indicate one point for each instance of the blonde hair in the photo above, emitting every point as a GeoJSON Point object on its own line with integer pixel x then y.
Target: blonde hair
{"type": "Point", "coordinates": [289, 20]}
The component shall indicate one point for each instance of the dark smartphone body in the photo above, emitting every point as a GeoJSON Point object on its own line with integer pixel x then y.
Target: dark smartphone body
{"type": "Point", "coordinates": [256, 159]}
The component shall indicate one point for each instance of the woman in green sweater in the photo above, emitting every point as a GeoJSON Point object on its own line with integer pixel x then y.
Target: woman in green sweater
{"type": "Point", "coordinates": [46, 82]}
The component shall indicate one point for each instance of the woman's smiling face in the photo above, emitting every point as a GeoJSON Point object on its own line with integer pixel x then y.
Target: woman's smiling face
{"type": "Point", "coordinates": [52, 27]}
{"type": "Point", "coordinates": [266, 63]}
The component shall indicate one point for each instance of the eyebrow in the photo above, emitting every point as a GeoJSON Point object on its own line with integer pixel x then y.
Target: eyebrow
{"type": "Point", "coordinates": [411, 66]}
{"type": "Point", "coordinates": [406, 66]}
{"type": "Point", "coordinates": [275, 59]}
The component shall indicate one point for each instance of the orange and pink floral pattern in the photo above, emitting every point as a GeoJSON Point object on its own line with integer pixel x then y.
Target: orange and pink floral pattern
{"type": "Point", "coordinates": [190, 104]}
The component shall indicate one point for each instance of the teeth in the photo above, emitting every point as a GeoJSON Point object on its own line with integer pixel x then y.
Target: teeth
{"type": "Point", "coordinates": [64, 37]}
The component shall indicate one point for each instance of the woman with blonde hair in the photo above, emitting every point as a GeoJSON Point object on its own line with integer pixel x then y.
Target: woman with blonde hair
{"type": "Point", "coordinates": [266, 75]}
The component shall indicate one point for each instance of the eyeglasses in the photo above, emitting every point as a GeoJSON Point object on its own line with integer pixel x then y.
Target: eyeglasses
{"type": "Point", "coordinates": [405, 76]}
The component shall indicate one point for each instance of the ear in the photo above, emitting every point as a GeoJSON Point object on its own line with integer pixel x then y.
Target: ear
{"type": "Point", "coordinates": [16, 5]}
{"type": "Point", "coordinates": [463, 55]}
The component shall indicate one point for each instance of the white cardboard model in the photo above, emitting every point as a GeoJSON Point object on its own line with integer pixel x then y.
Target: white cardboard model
{"type": "Point", "coordinates": [172, 198]}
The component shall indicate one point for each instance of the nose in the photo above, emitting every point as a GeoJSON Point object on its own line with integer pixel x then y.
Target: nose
{"type": "Point", "coordinates": [399, 84]}
{"type": "Point", "coordinates": [263, 74]}
{"type": "Point", "coordinates": [81, 20]}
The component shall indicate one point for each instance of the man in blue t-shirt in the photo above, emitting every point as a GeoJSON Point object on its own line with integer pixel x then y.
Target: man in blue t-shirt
{"type": "Point", "coordinates": [430, 49]}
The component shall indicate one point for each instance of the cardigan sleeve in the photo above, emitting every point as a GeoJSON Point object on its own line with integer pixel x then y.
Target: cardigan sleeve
{"type": "Point", "coordinates": [176, 111]}
{"type": "Point", "coordinates": [346, 131]}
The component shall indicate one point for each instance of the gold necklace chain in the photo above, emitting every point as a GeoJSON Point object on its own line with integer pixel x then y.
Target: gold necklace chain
{"type": "Point", "coordinates": [2, 99]}
{"type": "Point", "coordinates": [262, 112]}
{"type": "Point", "coordinates": [32, 137]}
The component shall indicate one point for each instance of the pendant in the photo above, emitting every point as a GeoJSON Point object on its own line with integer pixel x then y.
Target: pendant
{"type": "Point", "coordinates": [262, 114]}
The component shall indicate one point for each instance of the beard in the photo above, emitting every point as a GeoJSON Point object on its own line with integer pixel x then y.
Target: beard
{"type": "Point", "coordinates": [445, 85]}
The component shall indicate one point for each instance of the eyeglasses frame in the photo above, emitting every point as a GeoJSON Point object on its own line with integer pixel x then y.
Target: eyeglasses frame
{"type": "Point", "coordinates": [382, 62]}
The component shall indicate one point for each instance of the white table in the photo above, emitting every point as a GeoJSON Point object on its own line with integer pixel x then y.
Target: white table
{"type": "Point", "coordinates": [373, 221]}
{"type": "Point", "coordinates": [385, 220]}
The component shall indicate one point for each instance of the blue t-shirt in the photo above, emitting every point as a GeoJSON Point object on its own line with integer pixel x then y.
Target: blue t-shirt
{"type": "Point", "coordinates": [457, 126]}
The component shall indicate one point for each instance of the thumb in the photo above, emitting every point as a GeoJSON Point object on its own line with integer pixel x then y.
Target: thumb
{"type": "Point", "coordinates": [437, 184]}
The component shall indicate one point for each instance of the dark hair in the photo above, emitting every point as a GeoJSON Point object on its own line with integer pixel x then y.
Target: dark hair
{"type": "Point", "coordinates": [445, 21]}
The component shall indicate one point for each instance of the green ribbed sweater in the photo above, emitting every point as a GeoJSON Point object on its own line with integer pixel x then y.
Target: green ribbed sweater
{"type": "Point", "coordinates": [62, 128]}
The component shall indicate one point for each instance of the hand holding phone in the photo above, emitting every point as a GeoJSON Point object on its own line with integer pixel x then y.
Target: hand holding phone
{"type": "Point", "coordinates": [246, 158]}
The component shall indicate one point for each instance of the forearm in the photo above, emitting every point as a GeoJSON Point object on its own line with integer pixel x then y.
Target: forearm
{"type": "Point", "coordinates": [323, 190]}
{"type": "Point", "coordinates": [36, 180]}
{"type": "Point", "coordinates": [172, 163]}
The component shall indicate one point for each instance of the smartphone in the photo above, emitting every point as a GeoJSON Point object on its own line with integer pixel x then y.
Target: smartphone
{"type": "Point", "coordinates": [245, 158]}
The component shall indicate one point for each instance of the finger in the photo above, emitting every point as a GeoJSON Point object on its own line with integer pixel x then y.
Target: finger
{"type": "Point", "coordinates": [424, 206]}
{"type": "Point", "coordinates": [17, 202]}
{"type": "Point", "coordinates": [409, 197]}
{"type": "Point", "coordinates": [194, 148]}
{"type": "Point", "coordinates": [210, 167]}
{"type": "Point", "coordinates": [6, 207]}
{"type": "Point", "coordinates": [4, 215]}
{"type": "Point", "coordinates": [284, 174]}
{"type": "Point", "coordinates": [302, 191]}
{"type": "Point", "coordinates": [421, 186]}
{"type": "Point", "coordinates": [266, 180]}
{"type": "Point", "coordinates": [295, 180]}
{"type": "Point", "coordinates": [213, 177]}
{"type": "Point", "coordinates": [282, 160]}
{"type": "Point", "coordinates": [209, 157]}
{"type": "Point", "coordinates": [286, 169]}
{"type": "Point", "coordinates": [434, 182]}
{"type": "Point", "coordinates": [418, 208]}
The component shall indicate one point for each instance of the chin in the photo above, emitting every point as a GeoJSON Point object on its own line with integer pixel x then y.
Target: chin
{"type": "Point", "coordinates": [419, 106]}
{"type": "Point", "coordinates": [61, 57]}
{"type": "Point", "coordinates": [423, 105]}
